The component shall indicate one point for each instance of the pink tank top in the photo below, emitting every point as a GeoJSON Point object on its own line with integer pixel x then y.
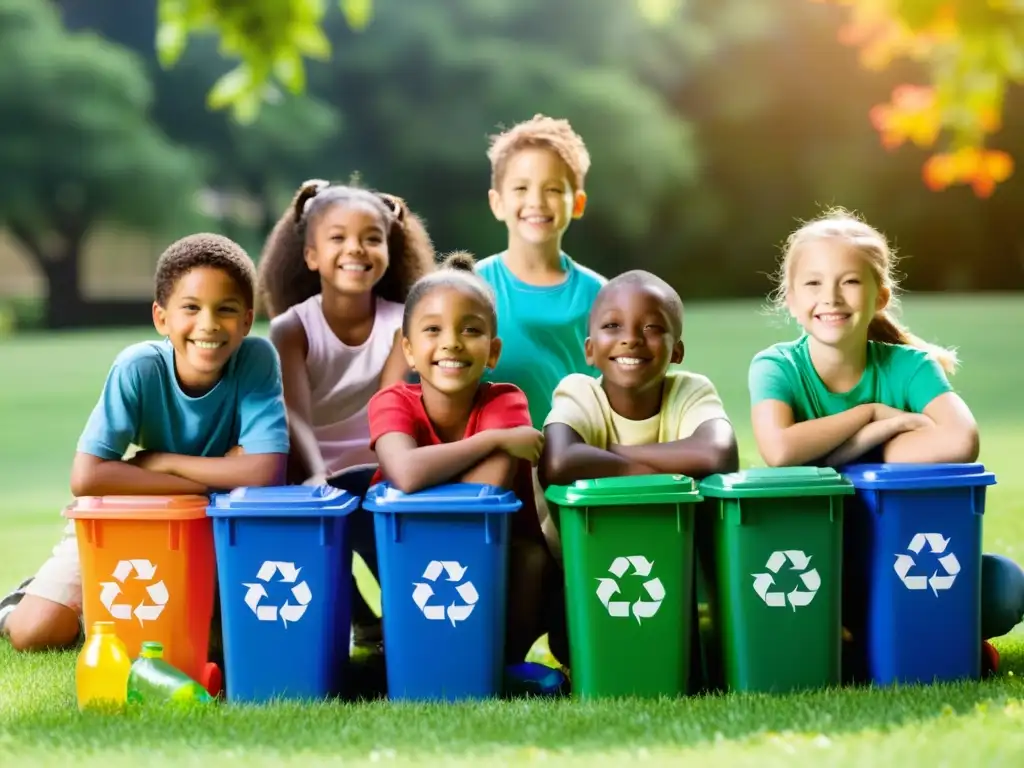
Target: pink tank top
{"type": "Point", "coordinates": [342, 379]}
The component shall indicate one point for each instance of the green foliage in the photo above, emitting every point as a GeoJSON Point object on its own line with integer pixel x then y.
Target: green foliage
{"type": "Point", "coordinates": [76, 142]}
{"type": "Point", "coordinates": [270, 37]}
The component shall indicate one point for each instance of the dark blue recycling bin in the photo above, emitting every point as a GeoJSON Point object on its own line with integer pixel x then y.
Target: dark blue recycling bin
{"type": "Point", "coordinates": [912, 571]}
{"type": "Point", "coordinates": [283, 568]}
{"type": "Point", "coordinates": [443, 560]}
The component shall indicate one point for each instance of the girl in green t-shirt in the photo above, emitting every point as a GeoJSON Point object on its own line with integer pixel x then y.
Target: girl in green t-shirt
{"type": "Point", "coordinates": [856, 380]}
{"type": "Point", "coordinates": [859, 386]}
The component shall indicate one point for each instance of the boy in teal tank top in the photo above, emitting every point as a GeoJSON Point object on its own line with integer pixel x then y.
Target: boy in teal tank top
{"type": "Point", "coordinates": [543, 296]}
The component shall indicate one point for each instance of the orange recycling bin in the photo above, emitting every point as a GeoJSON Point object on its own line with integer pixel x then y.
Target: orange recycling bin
{"type": "Point", "coordinates": [148, 565]}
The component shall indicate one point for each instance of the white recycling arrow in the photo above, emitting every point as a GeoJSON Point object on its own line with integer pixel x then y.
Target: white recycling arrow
{"type": "Point", "coordinates": [288, 613]}
{"type": "Point", "coordinates": [144, 571]}
{"type": "Point", "coordinates": [422, 592]}
{"type": "Point", "coordinates": [607, 588]}
{"type": "Point", "coordinates": [937, 544]}
{"type": "Point", "coordinates": [797, 598]}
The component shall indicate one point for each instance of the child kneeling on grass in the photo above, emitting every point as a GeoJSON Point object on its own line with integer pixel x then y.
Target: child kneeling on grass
{"type": "Point", "coordinates": [857, 386]}
{"type": "Point", "coordinates": [640, 417]}
{"type": "Point", "coordinates": [204, 407]}
{"type": "Point", "coordinates": [452, 427]}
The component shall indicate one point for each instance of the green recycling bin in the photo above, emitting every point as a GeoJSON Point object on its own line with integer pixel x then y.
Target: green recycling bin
{"type": "Point", "coordinates": [627, 548]}
{"type": "Point", "coordinates": [776, 596]}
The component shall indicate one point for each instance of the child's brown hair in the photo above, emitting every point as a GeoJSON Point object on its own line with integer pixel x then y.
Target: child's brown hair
{"type": "Point", "coordinates": [284, 279]}
{"type": "Point", "coordinates": [546, 133]}
{"type": "Point", "coordinates": [871, 245]}
{"type": "Point", "coordinates": [203, 250]}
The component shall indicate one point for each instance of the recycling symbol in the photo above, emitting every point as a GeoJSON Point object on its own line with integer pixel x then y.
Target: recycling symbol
{"type": "Point", "coordinates": [144, 571]}
{"type": "Point", "coordinates": [289, 612]}
{"type": "Point", "coordinates": [763, 582]}
{"type": "Point", "coordinates": [937, 544]}
{"type": "Point", "coordinates": [423, 592]}
{"type": "Point", "coordinates": [641, 609]}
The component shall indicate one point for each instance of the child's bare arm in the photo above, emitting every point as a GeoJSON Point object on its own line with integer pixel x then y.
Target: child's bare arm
{"type": "Point", "coordinates": [289, 338]}
{"type": "Point", "coordinates": [952, 437]}
{"type": "Point", "coordinates": [498, 469]}
{"type": "Point", "coordinates": [873, 435]}
{"type": "Point", "coordinates": [783, 443]}
{"type": "Point", "coordinates": [567, 458]}
{"type": "Point", "coordinates": [232, 471]}
{"type": "Point", "coordinates": [93, 476]}
{"type": "Point", "coordinates": [411, 468]}
{"type": "Point", "coordinates": [710, 450]}
{"type": "Point", "coordinates": [396, 368]}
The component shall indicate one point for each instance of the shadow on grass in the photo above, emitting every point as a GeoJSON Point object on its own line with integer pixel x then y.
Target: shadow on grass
{"type": "Point", "coordinates": [45, 716]}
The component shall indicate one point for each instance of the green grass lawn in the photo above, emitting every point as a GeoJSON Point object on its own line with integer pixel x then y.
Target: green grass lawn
{"type": "Point", "coordinates": [48, 383]}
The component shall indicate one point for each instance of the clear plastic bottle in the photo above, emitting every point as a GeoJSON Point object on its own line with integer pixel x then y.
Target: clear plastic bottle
{"type": "Point", "coordinates": [152, 680]}
{"type": "Point", "coordinates": [101, 672]}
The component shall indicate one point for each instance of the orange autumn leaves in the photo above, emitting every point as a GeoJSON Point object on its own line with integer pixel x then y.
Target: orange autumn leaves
{"type": "Point", "coordinates": [966, 46]}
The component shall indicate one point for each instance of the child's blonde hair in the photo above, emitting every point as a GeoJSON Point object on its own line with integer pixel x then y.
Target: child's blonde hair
{"type": "Point", "coordinates": [542, 132]}
{"type": "Point", "coordinates": [840, 224]}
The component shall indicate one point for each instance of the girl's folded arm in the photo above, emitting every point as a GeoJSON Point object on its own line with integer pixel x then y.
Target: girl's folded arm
{"type": "Point", "coordinates": [709, 450]}
{"type": "Point", "coordinates": [289, 338]}
{"type": "Point", "coordinates": [498, 469]}
{"type": "Point", "coordinates": [954, 437]}
{"type": "Point", "coordinates": [411, 468]}
{"type": "Point", "coordinates": [782, 443]}
{"type": "Point", "coordinates": [567, 458]}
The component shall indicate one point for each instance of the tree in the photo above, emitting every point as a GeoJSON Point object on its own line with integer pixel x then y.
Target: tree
{"type": "Point", "coordinates": [272, 38]}
{"type": "Point", "coordinates": [970, 51]}
{"type": "Point", "coordinates": [77, 147]}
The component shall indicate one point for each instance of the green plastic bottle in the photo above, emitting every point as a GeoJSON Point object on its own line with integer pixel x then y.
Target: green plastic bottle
{"type": "Point", "coordinates": [153, 681]}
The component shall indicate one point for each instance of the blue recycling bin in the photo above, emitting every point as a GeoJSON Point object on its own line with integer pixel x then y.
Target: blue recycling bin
{"type": "Point", "coordinates": [283, 565]}
{"type": "Point", "coordinates": [912, 581]}
{"type": "Point", "coordinates": [443, 560]}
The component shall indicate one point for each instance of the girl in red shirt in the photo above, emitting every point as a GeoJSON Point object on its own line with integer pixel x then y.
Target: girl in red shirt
{"type": "Point", "coordinates": [452, 427]}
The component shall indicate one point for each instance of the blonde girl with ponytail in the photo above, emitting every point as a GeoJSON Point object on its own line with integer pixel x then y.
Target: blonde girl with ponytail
{"type": "Point", "coordinates": [856, 383]}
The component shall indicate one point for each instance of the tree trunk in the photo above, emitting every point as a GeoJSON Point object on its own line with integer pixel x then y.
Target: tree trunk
{"type": "Point", "coordinates": [64, 305]}
{"type": "Point", "coordinates": [60, 262]}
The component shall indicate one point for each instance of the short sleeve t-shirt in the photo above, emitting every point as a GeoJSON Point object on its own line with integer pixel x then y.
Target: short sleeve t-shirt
{"type": "Point", "coordinates": [688, 400]}
{"type": "Point", "coordinates": [143, 405]}
{"type": "Point", "coordinates": [542, 329]}
{"type": "Point", "coordinates": [399, 408]}
{"type": "Point", "coordinates": [896, 375]}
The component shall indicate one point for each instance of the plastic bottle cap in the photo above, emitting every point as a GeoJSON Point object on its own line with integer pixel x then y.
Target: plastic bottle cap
{"type": "Point", "coordinates": [152, 650]}
{"type": "Point", "coordinates": [102, 628]}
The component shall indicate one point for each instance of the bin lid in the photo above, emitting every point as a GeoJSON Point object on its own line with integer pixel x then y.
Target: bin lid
{"type": "Point", "coordinates": [908, 477]}
{"type": "Point", "coordinates": [776, 483]}
{"type": "Point", "coordinates": [137, 508]}
{"type": "Point", "coordinates": [283, 501]}
{"type": "Point", "coordinates": [631, 490]}
{"type": "Point", "coordinates": [445, 499]}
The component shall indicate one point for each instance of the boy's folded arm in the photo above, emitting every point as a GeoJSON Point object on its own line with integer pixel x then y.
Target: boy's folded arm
{"type": "Point", "coordinates": [954, 438]}
{"type": "Point", "coordinates": [95, 476]}
{"type": "Point", "coordinates": [233, 471]}
{"type": "Point", "coordinates": [711, 449]}
{"type": "Point", "coordinates": [783, 443]}
{"type": "Point", "coordinates": [411, 468]}
{"type": "Point", "coordinates": [567, 458]}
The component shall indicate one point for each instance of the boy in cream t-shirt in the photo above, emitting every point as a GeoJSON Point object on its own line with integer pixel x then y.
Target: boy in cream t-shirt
{"type": "Point", "coordinates": [640, 417]}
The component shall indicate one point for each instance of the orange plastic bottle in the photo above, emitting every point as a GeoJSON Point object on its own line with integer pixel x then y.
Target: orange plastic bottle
{"type": "Point", "coordinates": [101, 673]}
